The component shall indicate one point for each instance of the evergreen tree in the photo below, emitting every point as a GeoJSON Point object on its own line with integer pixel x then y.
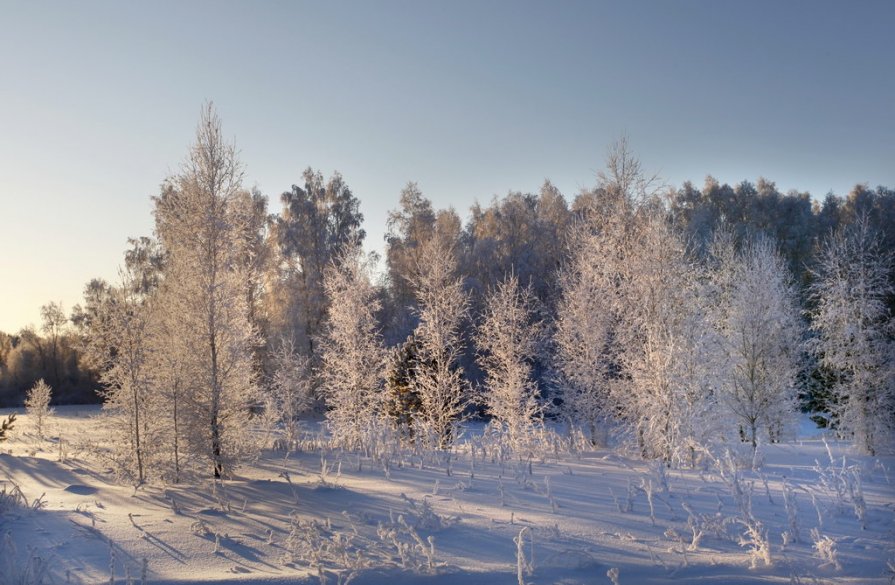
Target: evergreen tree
{"type": "Point", "coordinates": [402, 401]}
{"type": "Point", "coordinates": [6, 426]}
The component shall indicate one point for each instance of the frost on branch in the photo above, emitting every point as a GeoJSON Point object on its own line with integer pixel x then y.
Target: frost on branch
{"type": "Point", "coordinates": [353, 355]}
{"type": "Point", "coordinates": [443, 307]}
{"type": "Point", "coordinates": [667, 350]}
{"type": "Point", "coordinates": [508, 339]}
{"type": "Point", "coordinates": [585, 355]}
{"type": "Point", "coordinates": [201, 225]}
{"type": "Point", "coordinates": [290, 391]}
{"type": "Point", "coordinates": [37, 404]}
{"type": "Point", "coordinates": [757, 319]}
{"type": "Point", "coordinates": [854, 333]}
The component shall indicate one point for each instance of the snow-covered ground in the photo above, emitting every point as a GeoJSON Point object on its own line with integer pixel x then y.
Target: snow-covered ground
{"type": "Point", "coordinates": [583, 518]}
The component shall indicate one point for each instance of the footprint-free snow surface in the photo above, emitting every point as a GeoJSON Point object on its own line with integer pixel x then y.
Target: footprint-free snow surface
{"type": "Point", "coordinates": [318, 515]}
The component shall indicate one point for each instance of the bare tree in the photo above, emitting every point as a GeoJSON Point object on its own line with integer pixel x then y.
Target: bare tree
{"type": "Point", "coordinates": [631, 327]}
{"type": "Point", "coordinates": [624, 176]}
{"type": "Point", "coordinates": [665, 354]}
{"type": "Point", "coordinates": [171, 364]}
{"type": "Point", "coordinates": [53, 327]}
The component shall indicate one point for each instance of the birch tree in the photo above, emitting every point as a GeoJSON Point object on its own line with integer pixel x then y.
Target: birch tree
{"type": "Point", "coordinates": [760, 337]}
{"type": "Point", "coordinates": [508, 339]}
{"type": "Point", "coordinates": [442, 308]}
{"type": "Point", "coordinates": [37, 405]}
{"type": "Point", "coordinates": [128, 381]}
{"type": "Point", "coordinates": [664, 393]}
{"type": "Point", "coordinates": [584, 350]}
{"type": "Point", "coordinates": [317, 221]}
{"type": "Point", "coordinates": [631, 331]}
{"type": "Point", "coordinates": [853, 282]}
{"type": "Point", "coordinates": [198, 223]}
{"type": "Point", "coordinates": [353, 357]}
{"type": "Point", "coordinates": [53, 325]}
{"type": "Point", "coordinates": [291, 390]}
{"type": "Point", "coordinates": [171, 363]}
{"type": "Point", "coordinates": [118, 331]}
{"type": "Point", "coordinates": [409, 227]}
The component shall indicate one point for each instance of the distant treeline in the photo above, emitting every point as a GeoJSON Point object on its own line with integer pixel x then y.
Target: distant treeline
{"type": "Point", "coordinates": [50, 354]}
{"type": "Point", "coordinates": [520, 233]}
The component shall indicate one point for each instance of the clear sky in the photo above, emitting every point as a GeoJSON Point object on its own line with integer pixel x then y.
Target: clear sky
{"type": "Point", "coordinates": [99, 101]}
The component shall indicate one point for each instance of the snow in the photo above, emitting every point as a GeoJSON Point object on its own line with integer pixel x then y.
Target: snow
{"type": "Point", "coordinates": [574, 506]}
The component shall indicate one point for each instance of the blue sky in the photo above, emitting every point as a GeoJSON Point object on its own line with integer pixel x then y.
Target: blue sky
{"type": "Point", "coordinates": [99, 100]}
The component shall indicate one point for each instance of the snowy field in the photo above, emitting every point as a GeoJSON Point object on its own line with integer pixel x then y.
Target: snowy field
{"type": "Point", "coordinates": [322, 516]}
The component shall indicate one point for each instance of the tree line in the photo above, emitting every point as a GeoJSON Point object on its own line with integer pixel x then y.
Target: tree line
{"type": "Point", "coordinates": [635, 309]}
{"type": "Point", "coordinates": [50, 352]}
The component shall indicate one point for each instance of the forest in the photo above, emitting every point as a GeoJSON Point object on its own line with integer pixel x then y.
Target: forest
{"type": "Point", "coordinates": [554, 256]}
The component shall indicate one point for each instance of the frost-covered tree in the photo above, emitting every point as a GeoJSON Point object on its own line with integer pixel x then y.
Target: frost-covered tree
{"type": "Point", "coordinates": [290, 391]}
{"type": "Point", "coordinates": [760, 336]}
{"type": "Point", "coordinates": [665, 349]}
{"type": "Point", "coordinates": [508, 339]}
{"type": "Point", "coordinates": [53, 322]}
{"type": "Point", "coordinates": [353, 357]}
{"type": "Point", "coordinates": [116, 327]}
{"type": "Point", "coordinates": [853, 282]}
{"type": "Point", "coordinates": [127, 379]}
{"type": "Point", "coordinates": [37, 404]}
{"type": "Point", "coordinates": [442, 308]}
{"type": "Point", "coordinates": [624, 180]}
{"type": "Point", "coordinates": [409, 227]}
{"type": "Point", "coordinates": [170, 362]}
{"type": "Point", "coordinates": [583, 339]}
{"type": "Point", "coordinates": [201, 227]}
{"type": "Point", "coordinates": [318, 219]}
{"type": "Point", "coordinates": [632, 341]}
{"type": "Point", "coordinates": [89, 320]}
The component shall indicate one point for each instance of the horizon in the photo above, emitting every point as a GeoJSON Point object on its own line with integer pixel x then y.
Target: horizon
{"type": "Point", "coordinates": [99, 104]}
